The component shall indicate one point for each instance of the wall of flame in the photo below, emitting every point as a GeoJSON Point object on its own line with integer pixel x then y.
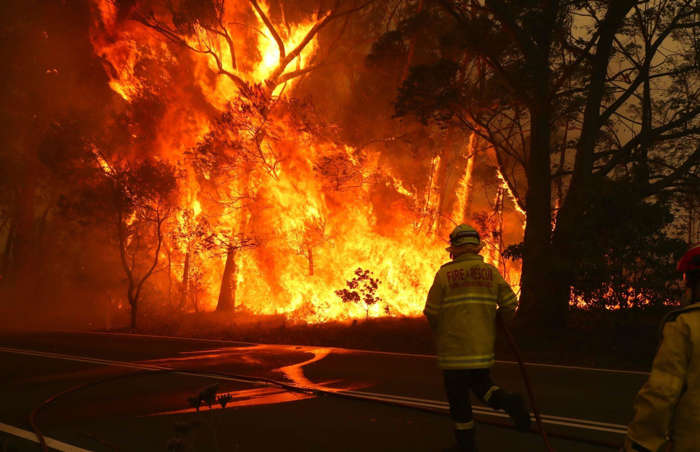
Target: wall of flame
{"type": "Point", "coordinates": [378, 221]}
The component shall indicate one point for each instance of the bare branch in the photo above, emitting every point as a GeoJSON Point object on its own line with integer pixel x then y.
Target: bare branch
{"type": "Point", "coordinates": [294, 74]}
{"type": "Point", "coordinates": [274, 78]}
{"type": "Point", "coordinates": [172, 36]}
{"type": "Point", "coordinates": [670, 179]}
{"type": "Point", "coordinates": [651, 52]}
{"type": "Point", "coordinates": [270, 27]}
{"type": "Point", "coordinates": [160, 219]}
{"type": "Point", "coordinates": [655, 135]}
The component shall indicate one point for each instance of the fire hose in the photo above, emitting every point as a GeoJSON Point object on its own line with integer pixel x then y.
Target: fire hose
{"type": "Point", "coordinates": [79, 387]}
{"type": "Point", "coordinates": [319, 392]}
{"type": "Point", "coordinates": [526, 379]}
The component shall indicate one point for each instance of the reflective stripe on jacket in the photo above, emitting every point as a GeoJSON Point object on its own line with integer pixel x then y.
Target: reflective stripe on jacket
{"type": "Point", "coordinates": [668, 405]}
{"type": "Point", "coordinates": [461, 308]}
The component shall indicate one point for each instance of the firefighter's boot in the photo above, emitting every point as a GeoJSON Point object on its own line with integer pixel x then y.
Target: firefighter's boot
{"type": "Point", "coordinates": [466, 440]}
{"type": "Point", "coordinates": [514, 405]}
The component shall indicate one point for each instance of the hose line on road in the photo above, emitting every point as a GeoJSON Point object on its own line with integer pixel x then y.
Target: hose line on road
{"type": "Point", "coordinates": [526, 379]}
{"type": "Point", "coordinates": [300, 389]}
{"type": "Point", "coordinates": [79, 387]}
{"type": "Point", "coordinates": [155, 371]}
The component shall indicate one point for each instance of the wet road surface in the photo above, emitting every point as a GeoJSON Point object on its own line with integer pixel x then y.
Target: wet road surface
{"type": "Point", "coordinates": [138, 393]}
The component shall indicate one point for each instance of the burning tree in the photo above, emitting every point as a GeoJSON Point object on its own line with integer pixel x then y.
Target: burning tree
{"type": "Point", "coordinates": [313, 235]}
{"type": "Point", "coordinates": [233, 146]}
{"type": "Point", "coordinates": [340, 172]}
{"type": "Point", "coordinates": [231, 243]}
{"type": "Point", "coordinates": [218, 82]}
{"type": "Point", "coordinates": [227, 92]}
{"type": "Point", "coordinates": [206, 28]}
{"type": "Point", "coordinates": [189, 237]}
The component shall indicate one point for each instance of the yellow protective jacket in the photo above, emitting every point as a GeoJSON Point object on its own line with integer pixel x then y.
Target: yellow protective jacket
{"type": "Point", "coordinates": [667, 407]}
{"type": "Point", "coordinates": [461, 308]}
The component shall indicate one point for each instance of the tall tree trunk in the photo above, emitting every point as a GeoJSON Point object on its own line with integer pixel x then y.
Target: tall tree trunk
{"type": "Point", "coordinates": [469, 179]}
{"type": "Point", "coordinates": [7, 252]}
{"type": "Point", "coordinates": [310, 254]}
{"type": "Point", "coordinates": [170, 278]}
{"type": "Point", "coordinates": [185, 280]}
{"type": "Point", "coordinates": [563, 260]}
{"type": "Point", "coordinates": [227, 293]}
{"type": "Point", "coordinates": [195, 301]}
{"type": "Point", "coordinates": [537, 307]}
{"type": "Point", "coordinates": [500, 196]}
{"type": "Point", "coordinates": [691, 220]}
{"type": "Point", "coordinates": [132, 298]}
{"type": "Point", "coordinates": [441, 222]}
{"type": "Point", "coordinates": [411, 49]}
{"type": "Point", "coordinates": [537, 256]}
{"type": "Point", "coordinates": [134, 311]}
{"type": "Point", "coordinates": [135, 283]}
{"type": "Point", "coordinates": [449, 175]}
{"type": "Point", "coordinates": [430, 209]}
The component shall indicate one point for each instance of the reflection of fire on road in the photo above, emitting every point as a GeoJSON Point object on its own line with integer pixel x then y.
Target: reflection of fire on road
{"type": "Point", "coordinates": [257, 355]}
{"type": "Point", "coordinates": [248, 397]}
{"type": "Point", "coordinates": [295, 372]}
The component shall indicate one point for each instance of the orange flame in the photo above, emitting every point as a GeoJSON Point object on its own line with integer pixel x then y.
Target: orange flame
{"type": "Point", "coordinates": [310, 208]}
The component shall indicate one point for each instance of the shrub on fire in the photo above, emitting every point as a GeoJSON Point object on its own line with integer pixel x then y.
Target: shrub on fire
{"type": "Point", "coordinates": [362, 288]}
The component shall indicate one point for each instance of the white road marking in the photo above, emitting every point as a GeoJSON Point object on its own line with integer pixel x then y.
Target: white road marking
{"type": "Point", "coordinates": [357, 350]}
{"type": "Point", "coordinates": [31, 436]}
{"type": "Point", "coordinates": [584, 424]}
{"type": "Point", "coordinates": [403, 400]}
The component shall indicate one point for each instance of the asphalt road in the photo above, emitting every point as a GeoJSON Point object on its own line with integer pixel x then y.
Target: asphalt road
{"type": "Point", "coordinates": [130, 393]}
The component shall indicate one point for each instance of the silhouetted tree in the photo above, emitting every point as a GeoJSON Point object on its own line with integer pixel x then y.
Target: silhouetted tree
{"type": "Point", "coordinates": [610, 86]}
{"type": "Point", "coordinates": [362, 288]}
{"type": "Point", "coordinates": [134, 199]}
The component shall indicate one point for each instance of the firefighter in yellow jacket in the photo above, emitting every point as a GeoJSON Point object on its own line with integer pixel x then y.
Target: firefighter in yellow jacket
{"type": "Point", "coordinates": [461, 309]}
{"type": "Point", "coordinates": [667, 408]}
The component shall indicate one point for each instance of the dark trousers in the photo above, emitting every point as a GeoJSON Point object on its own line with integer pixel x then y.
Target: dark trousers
{"type": "Point", "coordinates": [458, 383]}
